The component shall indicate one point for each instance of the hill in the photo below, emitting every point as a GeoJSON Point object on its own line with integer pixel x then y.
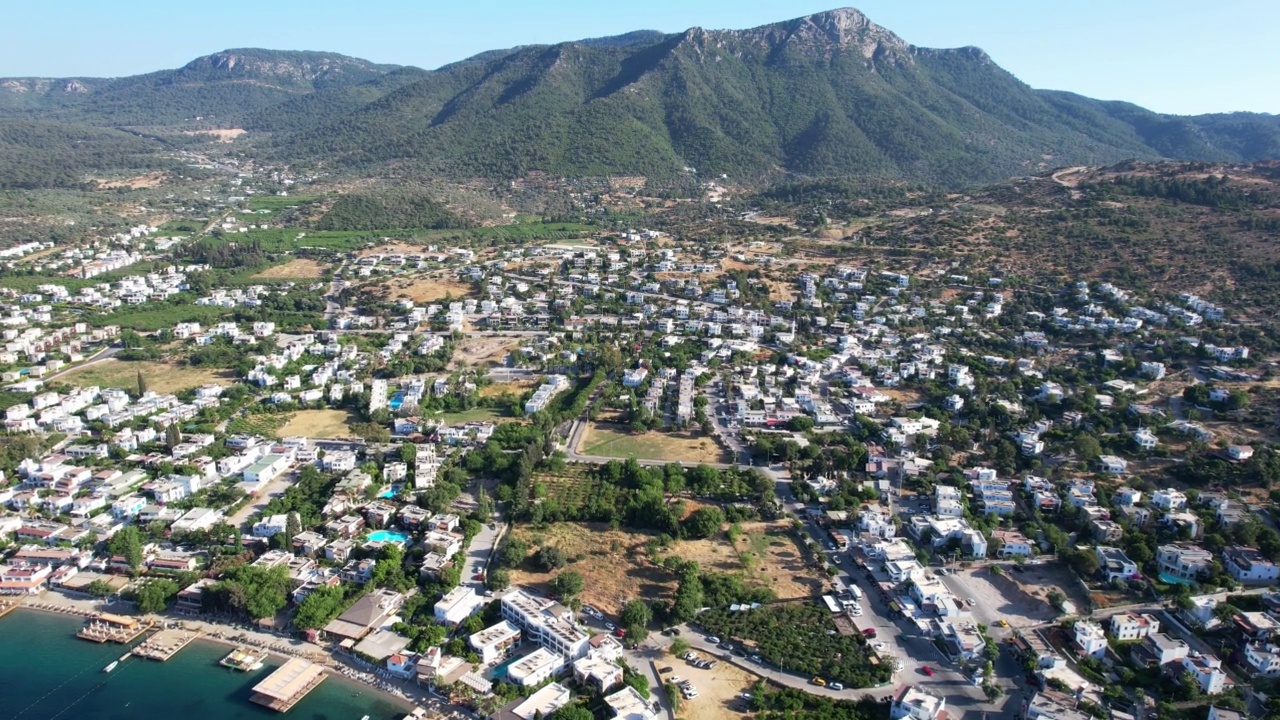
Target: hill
{"type": "Point", "coordinates": [222, 87]}
{"type": "Point", "coordinates": [825, 95]}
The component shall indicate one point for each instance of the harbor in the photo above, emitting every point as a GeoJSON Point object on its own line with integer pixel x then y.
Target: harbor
{"type": "Point", "coordinates": [244, 659]}
{"type": "Point", "coordinates": [288, 685]}
{"type": "Point", "coordinates": [107, 627]}
{"type": "Point", "coordinates": [165, 644]}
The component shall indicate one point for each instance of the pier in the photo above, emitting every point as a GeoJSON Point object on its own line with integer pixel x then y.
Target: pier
{"type": "Point", "coordinates": [106, 627]}
{"type": "Point", "coordinates": [7, 606]}
{"type": "Point", "coordinates": [285, 687]}
{"type": "Point", "coordinates": [165, 644]}
{"type": "Point", "coordinates": [244, 659]}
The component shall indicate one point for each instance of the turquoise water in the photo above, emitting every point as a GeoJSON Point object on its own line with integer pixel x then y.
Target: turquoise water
{"type": "Point", "coordinates": [390, 492]}
{"type": "Point", "coordinates": [396, 401]}
{"type": "Point", "coordinates": [46, 673]}
{"type": "Point", "coordinates": [388, 536]}
{"type": "Point", "coordinates": [1174, 579]}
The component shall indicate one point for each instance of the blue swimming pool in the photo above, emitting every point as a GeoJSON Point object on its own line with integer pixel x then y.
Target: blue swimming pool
{"type": "Point", "coordinates": [396, 401]}
{"type": "Point", "coordinates": [390, 492]}
{"type": "Point", "coordinates": [388, 536]}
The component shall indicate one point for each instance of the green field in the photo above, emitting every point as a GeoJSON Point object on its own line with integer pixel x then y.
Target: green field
{"type": "Point", "coordinates": [144, 318]}
{"type": "Point", "coordinates": [569, 487]}
{"type": "Point", "coordinates": [513, 233]}
{"type": "Point", "coordinates": [277, 240]}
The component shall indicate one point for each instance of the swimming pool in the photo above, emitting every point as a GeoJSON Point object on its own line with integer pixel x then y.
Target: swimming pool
{"type": "Point", "coordinates": [390, 492]}
{"type": "Point", "coordinates": [396, 401]}
{"type": "Point", "coordinates": [388, 536]}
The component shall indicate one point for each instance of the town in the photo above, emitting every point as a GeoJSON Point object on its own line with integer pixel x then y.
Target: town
{"type": "Point", "coordinates": [620, 472]}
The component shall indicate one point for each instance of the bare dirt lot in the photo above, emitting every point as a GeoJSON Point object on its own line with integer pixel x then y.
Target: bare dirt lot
{"type": "Point", "coordinates": [608, 440]}
{"type": "Point", "coordinates": [299, 269]}
{"type": "Point", "coordinates": [149, 180]}
{"type": "Point", "coordinates": [515, 388]}
{"type": "Point", "coordinates": [162, 377]}
{"type": "Point", "coordinates": [226, 135]}
{"type": "Point", "coordinates": [1021, 597]}
{"type": "Point", "coordinates": [486, 351]}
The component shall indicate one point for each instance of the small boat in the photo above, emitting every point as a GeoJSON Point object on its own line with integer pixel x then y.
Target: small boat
{"type": "Point", "coordinates": [124, 657]}
{"type": "Point", "coordinates": [111, 667]}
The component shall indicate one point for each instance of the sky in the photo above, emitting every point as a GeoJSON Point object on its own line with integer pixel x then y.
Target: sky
{"type": "Point", "coordinates": [1173, 56]}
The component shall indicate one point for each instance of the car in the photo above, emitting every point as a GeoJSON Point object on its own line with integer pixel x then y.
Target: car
{"type": "Point", "coordinates": [620, 632]}
{"type": "Point", "coordinates": [726, 645]}
{"type": "Point", "coordinates": [674, 679]}
{"type": "Point", "coordinates": [746, 696]}
{"type": "Point", "coordinates": [880, 647]}
{"type": "Point", "coordinates": [942, 571]}
{"type": "Point", "coordinates": [819, 682]}
{"type": "Point", "coordinates": [756, 659]}
{"type": "Point", "coordinates": [972, 602]}
{"type": "Point", "coordinates": [664, 670]}
{"type": "Point", "coordinates": [836, 686]}
{"type": "Point", "coordinates": [927, 670]}
{"type": "Point", "coordinates": [713, 639]}
{"type": "Point", "coordinates": [1002, 622]}
{"type": "Point", "coordinates": [610, 626]}
{"type": "Point", "coordinates": [869, 632]}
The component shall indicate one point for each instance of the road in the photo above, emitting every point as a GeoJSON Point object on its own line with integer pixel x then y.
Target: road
{"type": "Point", "coordinates": [273, 488]}
{"type": "Point", "coordinates": [103, 354]}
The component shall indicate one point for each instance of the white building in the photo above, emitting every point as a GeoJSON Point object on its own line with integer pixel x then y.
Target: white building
{"type": "Point", "coordinates": [916, 703]}
{"type": "Point", "coordinates": [457, 605]}
{"type": "Point", "coordinates": [1133, 626]}
{"type": "Point", "coordinates": [494, 643]}
{"type": "Point", "coordinates": [1090, 638]}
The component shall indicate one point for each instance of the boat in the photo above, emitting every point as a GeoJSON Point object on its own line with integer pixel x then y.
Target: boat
{"type": "Point", "coordinates": [111, 667]}
{"type": "Point", "coordinates": [124, 657]}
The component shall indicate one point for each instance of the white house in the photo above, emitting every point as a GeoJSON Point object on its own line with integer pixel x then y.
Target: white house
{"type": "Point", "coordinates": [1133, 626]}
{"type": "Point", "coordinates": [1090, 638]}
{"type": "Point", "coordinates": [457, 605]}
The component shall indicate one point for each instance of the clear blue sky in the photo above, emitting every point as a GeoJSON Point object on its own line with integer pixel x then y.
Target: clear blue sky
{"type": "Point", "coordinates": [1177, 56]}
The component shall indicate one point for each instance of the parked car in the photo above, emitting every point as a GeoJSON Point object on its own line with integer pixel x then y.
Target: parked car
{"type": "Point", "coordinates": [610, 626]}
{"type": "Point", "coordinates": [836, 686]}
{"type": "Point", "coordinates": [664, 670]}
{"type": "Point", "coordinates": [869, 632]}
{"type": "Point", "coordinates": [713, 639]}
{"type": "Point", "coordinates": [819, 682]}
{"type": "Point", "coordinates": [927, 670]}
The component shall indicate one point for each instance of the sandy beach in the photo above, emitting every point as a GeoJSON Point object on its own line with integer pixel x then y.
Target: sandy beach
{"type": "Point", "coordinates": [339, 667]}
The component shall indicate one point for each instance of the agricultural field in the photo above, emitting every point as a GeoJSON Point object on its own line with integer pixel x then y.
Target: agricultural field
{"type": "Point", "coordinates": [263, 424]}
{"type": "Point", "coordinates": [165, 316]}
{"type": "Point", "coordinates": [162, 377]}
{"type": "Point", "coordinates": [319, 424]}
{"type": "Point", "coordinates": [276, 203]}
{"type": "Point", "coordinates": [606, 440]}
{"type": "Point", "coordinates": [296, 269]}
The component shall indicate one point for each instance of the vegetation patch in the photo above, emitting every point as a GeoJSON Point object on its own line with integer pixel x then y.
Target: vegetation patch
{"type": "Point", "coordinates": [800, 637]}
{"type": "Point", "coordinates": [263, 424]}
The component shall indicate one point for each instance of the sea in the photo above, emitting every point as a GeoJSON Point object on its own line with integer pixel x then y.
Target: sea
{"type": "Point", "coordinates": [47, 673]}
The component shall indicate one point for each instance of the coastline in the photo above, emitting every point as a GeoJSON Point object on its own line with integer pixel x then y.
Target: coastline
{"type": "Point", "coordinates": [231, 636]}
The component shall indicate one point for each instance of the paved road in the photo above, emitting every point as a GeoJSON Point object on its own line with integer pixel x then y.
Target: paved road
{"type": "Point", "coordinates": [103, 354]}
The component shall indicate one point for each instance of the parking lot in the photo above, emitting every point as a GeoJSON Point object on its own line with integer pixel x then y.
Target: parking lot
{"type": "Point", "coordinates": [719, 688]}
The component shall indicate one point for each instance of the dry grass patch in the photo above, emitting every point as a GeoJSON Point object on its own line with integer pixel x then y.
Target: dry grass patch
{"type": "Point", "coordinates": [319, 423]}
{"type": "Point", "coordinates": [769, 557]}
{"type": "Point", "coordinates": [487, 351]}
{"type": "Point", "coordinates": [162, 377]}
{"type": "Point", "coordinates": [515, 388]}
{"type": "Point", "coordinates": [298, 269]}
{"type": "Point", "coordinates": [613, 441]}
{"type": "Point", "coordinates": [427, 289]}
{"type": "Point", "coordinates": [614, 562]}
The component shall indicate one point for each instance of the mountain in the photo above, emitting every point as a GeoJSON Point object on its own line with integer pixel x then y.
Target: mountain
{"type": "Point", "coordinates": [222, 87]}
{"type": "Point", "coordinates": [825, 95]}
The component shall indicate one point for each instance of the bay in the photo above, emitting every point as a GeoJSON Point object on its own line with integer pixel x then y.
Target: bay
{"type": "Point", "coordinates": [47, 673]}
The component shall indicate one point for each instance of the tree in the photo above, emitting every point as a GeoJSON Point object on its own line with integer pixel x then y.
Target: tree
{"type": "Point", "coordinates": [703, 522]}
{"type": "Point", "coordinates": [172, 436]}
{"type": "Point", "coordinates": [635, 617]}
{"type": "Point", "coordinates": [514, 551]}
{"type": "Point", "coordinates": [142, 384]}
{"type": "Point", "coordinates": [689, 596]}
{"type": "Point", "coordinates": [573, 712]}
{"type": "Point", "coordinates": [154, 595]}
{"type": "Point", "coordinates": [320, 607]}
{"type": "Point", "coordinates": [1087, 447]}
{"type": "Point", "coordinates": [640, 683]}
{"type": "Point", "coordinates": [550, 558]}
{"type": "Point", "coordinates": [498, 579]}
{"type": "Point", "coordinates": [568, 584]}
{"type": "Point", "coordinates": [408, 453]}
{"type": "Point", "coordinates": [100, 588]}
{"type": "Point", "coordinates": [680, 647]}
{"type": "Point", "coordinates": [292, 526]}
{"type": "Point", "coordinates": [127, 544]}
{"type": "Point", "coordinates": [800, 423]}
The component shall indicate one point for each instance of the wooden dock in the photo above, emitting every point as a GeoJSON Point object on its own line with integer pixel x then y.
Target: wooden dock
{"type": "Point", "coordinates": [285, 687]}
{"type": "Point", "coordinates": [106, 627]}
{"type": "Point", "coordinates": [8, 606]}
{"type": "Point", "coordinates": [165, 644]}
